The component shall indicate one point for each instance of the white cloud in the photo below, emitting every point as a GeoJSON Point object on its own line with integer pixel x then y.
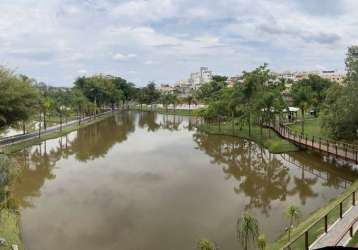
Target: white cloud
{"type": "Point", "coordinates": [149, 62]}
{"type": "Point", "coordinates": [52, 39]}
{"type": "Point", "coordinates": [123, 57]}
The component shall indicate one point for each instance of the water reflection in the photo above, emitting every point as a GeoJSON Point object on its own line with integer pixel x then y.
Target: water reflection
{"type": "Point", "coordinates": [97, 140]}
{"type": "Point", "coordinates": [142, 179]}
{"type": "Point", "coordinates": [264, 177]}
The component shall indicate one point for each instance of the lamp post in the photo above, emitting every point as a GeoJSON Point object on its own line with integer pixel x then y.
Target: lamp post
{"type": "Point", "coordinates": [61, 114]}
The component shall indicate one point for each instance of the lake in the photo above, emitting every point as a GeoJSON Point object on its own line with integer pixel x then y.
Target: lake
{"type": "Point", "coordinates": [145, 181]}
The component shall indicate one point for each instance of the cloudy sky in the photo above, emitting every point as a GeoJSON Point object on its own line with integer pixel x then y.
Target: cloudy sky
{"type": "Point", "coordinates": [164, 40]}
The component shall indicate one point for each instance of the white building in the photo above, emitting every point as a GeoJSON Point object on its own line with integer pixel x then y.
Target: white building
{"type": "Point", "coordinates": [166, 88]}
{"type": "Point", "coordinates": [201, 77]}
{"type": "Point", "coordinates": [195, 80]}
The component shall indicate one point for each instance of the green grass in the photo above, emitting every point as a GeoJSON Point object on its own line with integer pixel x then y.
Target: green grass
{"type": "Point", "coordinates": [10, 230]}
{"type": "Point", "coordinates": [182, 112]}
{"type": "Point", "coordinates": [312, 128]}
{"type": "Point", "coordinates": [317, 229]}
{"type": "Point", "coordinates": [354, 241]}
{"type": "Point", "coordinates": [269, 139]}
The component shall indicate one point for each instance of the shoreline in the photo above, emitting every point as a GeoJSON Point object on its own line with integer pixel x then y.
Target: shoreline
{"type": "Point", "coordinates": [21, 144]}
{"type": "Point", "coordinates": [225, 129]}
{"type": "Point", "coordinates": [274, 143]}
{"type": "Point", "coordinates": [10, 228]}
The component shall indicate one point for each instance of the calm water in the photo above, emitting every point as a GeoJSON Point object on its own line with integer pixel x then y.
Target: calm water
{"type": "Point", "coordinates": [152, 182]}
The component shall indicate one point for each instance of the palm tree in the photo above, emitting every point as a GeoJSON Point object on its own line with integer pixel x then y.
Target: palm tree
{"type": "Point", "coordinates": [189, 100]}
{"type": "Point", "coordinates": [303, 98]}
{"type": "Point", "coordinates": [247, 229]}
{"type": "Point", "coordinates": [46, 107]}
{"type": "Point", "coordinates": [261, 242]}
{"type": "Point", "coordinates": [205, 245]}
{"type": "Point", "coordinates": [293, 214]}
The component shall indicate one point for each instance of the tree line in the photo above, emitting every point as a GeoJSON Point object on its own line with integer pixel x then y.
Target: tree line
{"type": "Point", "coordinates": [257, 98]}
{"type": "Point", "coordinates": [24, 99]}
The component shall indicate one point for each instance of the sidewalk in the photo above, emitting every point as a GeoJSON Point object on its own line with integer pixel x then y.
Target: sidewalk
{"type": "Point", "coordinates": [18, 138]}
{"type": "Point", "coordinates": [338, 229]}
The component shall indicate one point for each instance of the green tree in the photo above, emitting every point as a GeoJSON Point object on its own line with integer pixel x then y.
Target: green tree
{"type": "Point", "coordinates": [261, 242]}
{"type": "Point", "coordinates": [19, 100]}
{"type": "Point", "coordinates": [318, 87]}
{"type": "Point", "coordinates": [79, 102]}
{"type": "Point", "coordinates": [340, 112]}
{"type": "Point", "coordinates": [292, 214]}
{"type": "Point", "coordinates": [270, 104]}
{"type": "Point", "coordinates": [302, 96]}
{"type": "Point", "coordinates": [352, 64]}
{"type": "Point", "coordinates": [340, 109]}
{"type": "Point", "coordinates": [127, 89]}
{"type": "Point", "coordinates": [247, 230]}
{"type": "Point", "coordinates": [253, 83]}
{"type": "Point", "coordinates": [189, 100]}
{"type": "Point", "coordinates": [174, 100]}
{"type": "Point", "coordinates": [151, 94]}
{"type": "Point", "coordinates": [205, 244]}
{"type": "Point", "coordinates": [165, 100]}
{"type": "Point", "coordinates": [210, 91]}
{"type": "Point", "coordinates": [140, 97]}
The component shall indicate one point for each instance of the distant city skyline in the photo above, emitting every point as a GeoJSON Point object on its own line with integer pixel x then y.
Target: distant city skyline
{"type": "Point", "coordinates": [56, 41]}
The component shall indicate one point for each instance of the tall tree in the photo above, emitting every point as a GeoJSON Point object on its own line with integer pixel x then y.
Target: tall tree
{"type": "Point", "coordinates": [210, 91]}
{"type": "Point", "coordinates": [292, 214]}
{"type": "Point", "coordinates": [247, 230]}
{"type": "Point", "coordinates": [302, 96]}
{"type": "Point", "coordinates": [127, 88]}
{"type": "Point", "coordinates": [151, 94]}
{"type": "Point", "coordinates": [261, 242]}
{"type": "Point", "coordinates": [205, 245]}
{"type": "Point", "coordinates": [352, 64]}
{"type": "Point", "coordinates": [254, 81]}
{"type": "Point", "coordinates": [18, 98]}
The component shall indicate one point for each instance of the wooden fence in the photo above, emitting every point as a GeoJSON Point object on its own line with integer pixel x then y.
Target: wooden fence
{"type": "Point", "coordinates": [348, 152]}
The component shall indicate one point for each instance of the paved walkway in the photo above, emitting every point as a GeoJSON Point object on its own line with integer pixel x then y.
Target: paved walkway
{"type": "Point", "coordinates": [337, 231]}
{"type": "Point", "coordinates": [34, 134]}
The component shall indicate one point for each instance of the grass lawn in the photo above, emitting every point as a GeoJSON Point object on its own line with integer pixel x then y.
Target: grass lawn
{"type": "Point", "coordinates": [269, 139]}
{"type": "Point", "coordinates": [312, 128]}
{"type": "Point", "coordinates": [354, 241]}
{"type": "Point", "coordinates": [182, 112]}
{"type": "Point", "coordinates": [10, 230]}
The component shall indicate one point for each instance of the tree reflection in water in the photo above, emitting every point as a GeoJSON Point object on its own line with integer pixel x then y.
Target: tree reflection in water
{"type": "Point", "coordinates": [264, 177]}
{"type": "Point", "coordinates": [260, 176]}
{"type": "Point", "coordinates": [257, 180]}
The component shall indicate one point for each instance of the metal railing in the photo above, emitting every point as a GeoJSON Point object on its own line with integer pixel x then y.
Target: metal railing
{"type": "Point", "coordinates": [321, 226]}
{"type": "Point", "coordinates": [59, 127]}
{"type": "Point", "coordinates": [337, 149]}
{"type": "Point", "coordinates": [349, 229]}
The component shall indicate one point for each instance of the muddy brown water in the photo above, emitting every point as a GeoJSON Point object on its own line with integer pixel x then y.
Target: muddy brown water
{"type": "Point", "coordinates": [144, 181]}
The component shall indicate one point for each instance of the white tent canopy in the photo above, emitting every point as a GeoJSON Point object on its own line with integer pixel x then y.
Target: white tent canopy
{"type": "Point", "coordinates": [292, 109]}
